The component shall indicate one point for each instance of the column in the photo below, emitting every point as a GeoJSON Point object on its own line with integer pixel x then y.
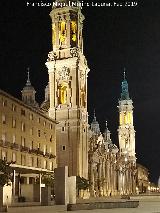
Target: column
{"type": "Point", "coordinates": [68, 33]}
{"type": "Point", "coordinates": [91, 179]}
{"type": "Point", "coordinates": [19, 185]}
{"type": "Point", "coordinates": [14, 184]}
{"type": "Point", "coordinates": [40, 181]}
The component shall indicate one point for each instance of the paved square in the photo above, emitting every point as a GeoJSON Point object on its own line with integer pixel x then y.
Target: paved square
{"type": "Point", "coordinates": [144, 207]}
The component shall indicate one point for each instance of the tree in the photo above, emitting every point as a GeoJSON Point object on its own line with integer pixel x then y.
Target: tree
{"type": "Point", "coordinates": [48, 180]}
{"type": "Point", "coordinates": [82, 183]}
{"type": "Point", "coordinates": [5, 172]}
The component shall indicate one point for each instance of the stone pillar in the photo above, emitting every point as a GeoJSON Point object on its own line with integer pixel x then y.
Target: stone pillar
{"type": "Point", "coordinates": [115, 179]}
{"type": "Point", "coordinates": [61, 185]}
{"type": "Point", "coordinates": [107, 177]}
{"type": "Point", "coordinates": [27, 180]}
{"type": "Point", "coordinates": [1, 196]}
{"type": "Point", "coordinates": [46, 196]}
{"type": "Point", "coordinates": [14, 184]}
{"type": "Point", "coordinates": [125, 181]}
{"type": "Point", "coordinates": [130, 181]}
{"type": "Point", "coordinates": [112, 179]}
{"type": "Point", "coordinates": [96, 181]}
{"type": "Point", "coordinates": [117, 173]}
{"type": "Point", "coordinates": [40, 182]}
{"type": "Point", "coordinates": [68, 33]}
{"type": "Point", "coordinates": [120, 182]}
{"type": "Point", "coordinates": [104, 178]}
{"type": "Point", "coordinates": [123, 174]}
{"type": "Point", "coordinates": [72, 189]}
{"type": "Point", "coordinates": [92, 179]}
{"type": "Point", "coordinates": [100, 178]}
{"type": "Point", "coordinates": [19, 185]}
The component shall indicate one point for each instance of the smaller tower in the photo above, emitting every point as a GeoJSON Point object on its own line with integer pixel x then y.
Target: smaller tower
{"type": "Point", "coordinates": [68, 72]}
{"type": "Point", "coordinates": [107, 134]}
{"type": "Point", "coordinates": [95, 125]}
{"type": "Point", "coordinates": [126, 132]}
{"type": "Point", "coordinates": [45, 104]}
{"type": "Point", "coordinates": [108, 142]}
{"type": "Point", "coordinates": [47, 93]}
{"type": "Point", "coordinates": [28, 93]}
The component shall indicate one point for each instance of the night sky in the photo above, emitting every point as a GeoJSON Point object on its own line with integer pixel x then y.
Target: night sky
{"type": "Point", "coordinates": [114, 38]}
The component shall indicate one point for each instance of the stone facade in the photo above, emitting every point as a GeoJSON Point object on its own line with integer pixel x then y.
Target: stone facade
{"type": "Point", "coordinates": [102, 167]}
{"type": "Point", "coordinates": [27, 138]}
{"type": "Point", "coordinates": [57, 133]}
{"type": "Point", "coordinates": [143, 184]}
{"type": "Point", "coordinates": [112, 171]}
{"type": "Point", "coordinates": [109, 172]}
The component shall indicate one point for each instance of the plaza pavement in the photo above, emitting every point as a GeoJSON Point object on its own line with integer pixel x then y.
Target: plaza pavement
{"type": "Point", "coordinates": [149, 206]}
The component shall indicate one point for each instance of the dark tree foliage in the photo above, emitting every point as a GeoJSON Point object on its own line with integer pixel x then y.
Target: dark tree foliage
{"type": "Point", "coordinates": [82, 183]}
{"type": "Point", "coordinates": [47, 179]}
{"type": "Point", "coordinates": [5, 172]}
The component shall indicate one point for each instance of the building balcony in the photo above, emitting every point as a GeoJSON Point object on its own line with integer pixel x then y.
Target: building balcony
{"type": "Point", "coordinates": [33, 151]}
{"type": "Point", "coordinates": [39, 152]}
{"type": "Point", "coordinates": [4, 144]}
{"type": "Point", "coordinates": [24, 149]}
{"type": "Point", "coordinates": [14, 146]}
{"type": "Point", "coordinates": [47, 155]}
{"type": "Point", "coordinates": [36, 151]}
{"type": "Point", "coordinates": [52, 156]}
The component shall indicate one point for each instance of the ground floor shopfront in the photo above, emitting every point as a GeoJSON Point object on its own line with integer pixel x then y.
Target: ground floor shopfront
{"type": "Point", "coordinates": [27, 185]}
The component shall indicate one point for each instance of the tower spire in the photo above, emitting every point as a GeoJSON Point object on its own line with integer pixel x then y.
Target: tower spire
{"type": "Point", "coordinates": [28, 92]}
{"type": "Point", "coordinates": [28, 77]}
{"type": "Point", "coordinates": [107, 135]}
{"type": "Point", "coordinates": [106, 124]}
{"type": "Point", "coordinates": [95, 125]}
{"type": "Point", "coordinates": [94, 115]}
{"type": "Point", "coordinates": [124, 86]}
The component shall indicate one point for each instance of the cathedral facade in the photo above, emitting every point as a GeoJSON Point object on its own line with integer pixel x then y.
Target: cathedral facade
{"type": "Point", "coordinates": [112, 171]}
{"type": "Point", "coordinates": [57, 133]}
{"type": "Point", "coordinates": [86, 152]}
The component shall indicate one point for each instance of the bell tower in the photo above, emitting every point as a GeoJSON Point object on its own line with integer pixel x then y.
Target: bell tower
{"type": "Point", "coordinates": [68, 70]}
{"type": "Point", "coordinates": [126, 132]}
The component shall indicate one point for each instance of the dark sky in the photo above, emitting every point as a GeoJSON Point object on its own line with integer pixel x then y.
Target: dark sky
{"type": "Point", "coordinates": [114, 37]}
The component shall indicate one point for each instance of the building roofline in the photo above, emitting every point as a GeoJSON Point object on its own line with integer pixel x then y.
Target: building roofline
{"type": "Point", "coordinates": [26, 106]}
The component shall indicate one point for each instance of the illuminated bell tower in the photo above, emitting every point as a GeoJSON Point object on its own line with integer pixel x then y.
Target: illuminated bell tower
{"type": "Point", "coordinates": [126, 132]}
{"type": "Point", "coordinates": [68, 70]}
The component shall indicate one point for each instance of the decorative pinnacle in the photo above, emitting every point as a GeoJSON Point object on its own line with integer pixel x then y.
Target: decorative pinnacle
{"type": "Point", "coordinates": [125, 92]}
{"type": "Point", "coordinates": [28, 77]}
{"type": "Point", "coordinates": [124, 73]}
{"type": "Point", "coordinates": [106, 125]}
{"type": "Point", "coordinates": [94, 115]}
